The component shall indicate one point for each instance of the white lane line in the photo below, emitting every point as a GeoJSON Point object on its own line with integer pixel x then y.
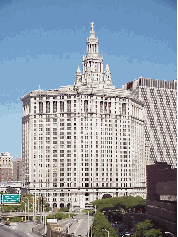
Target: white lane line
{"type": "Point", "coordinates": [78, 225]}
{"type": "Point", "coordinates": [30, 235]}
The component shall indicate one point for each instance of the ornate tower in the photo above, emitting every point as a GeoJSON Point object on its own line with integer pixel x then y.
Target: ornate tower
{"type": "Point", "coordinates": [107, 76]}
{"type": "Point", "coordinates": [93, 61]}
{"type": "Point", "coordinates": [78, 77]}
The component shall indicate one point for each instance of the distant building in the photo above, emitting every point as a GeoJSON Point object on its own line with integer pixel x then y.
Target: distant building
{"type": "Point", "coordinates": [160, 104]}
{"type": "Point", "coordinates": [12, 184]}
{"type": "Point", "coordinates": [5, 167]}
{"type": "Point", "coordinates": [162, 196]}
{"type": "Point", "coordinates": [83, 141]}
{"type": "Point", "coordinates": [17, 169]}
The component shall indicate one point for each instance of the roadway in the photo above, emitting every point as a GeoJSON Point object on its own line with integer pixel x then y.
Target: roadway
{"type": "Point", "coordinates": [17, 230]}
{"type": "Point", "coordinates": [78, 225]}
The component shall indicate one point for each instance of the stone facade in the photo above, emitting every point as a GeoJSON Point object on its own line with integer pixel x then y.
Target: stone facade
{"type": "Point", "coordinates": [5, 167]}
{"type": "Point", "coordinates": [17, 169]}
{"type": "Point", "coordinates": [85, 140]}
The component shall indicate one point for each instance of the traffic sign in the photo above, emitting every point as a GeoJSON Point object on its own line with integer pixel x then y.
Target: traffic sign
{"type": "Point", "coordinates": [10, 198]}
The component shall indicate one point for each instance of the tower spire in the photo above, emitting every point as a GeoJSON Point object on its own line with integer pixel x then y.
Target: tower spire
{"type": "Point", "coordinates": [92, 32]}
{"type": "Point", "coordinates": [78, 77]}
{"type": "Point", "coordinates": [107, 75]}
{"type": "Point", "coordinates": [92, 25]}
{"type": "Point", "coordinates": [92, 62]}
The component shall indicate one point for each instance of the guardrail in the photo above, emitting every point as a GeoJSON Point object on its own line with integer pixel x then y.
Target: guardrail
{"type": "Point", "coordinates": [12, 214]}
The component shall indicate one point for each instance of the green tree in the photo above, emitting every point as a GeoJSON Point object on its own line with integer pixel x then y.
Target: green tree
{"type": "Point", "coordinates": [25, 198]}
{"type": "Point", "coordinates": [63, 209]}
{"type": "Point", "coordinates": [39, 201]}
{"type": "Point", "coordinates": [47, 207]}
{"type": "Point", "coordinates": [50, 216]}
{"type": "Point", "coordinates": [125, 202]}
{"type": "Point", "coordinates": [58, 216]}
{"type": "Point", "coordinates": [153, 233]}
{"type": "Point", "coordinates": [6, 208]}
{"type": "Point", "coordinates": [142, 227]}
{"type": "Point", "coordinates": [15, 219]}
{"type": "Point", "coordinates": [101, 224]}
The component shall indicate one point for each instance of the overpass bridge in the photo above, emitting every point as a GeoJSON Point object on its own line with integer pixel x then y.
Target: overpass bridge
{"type": "Point", "coordinates": [20, 214]}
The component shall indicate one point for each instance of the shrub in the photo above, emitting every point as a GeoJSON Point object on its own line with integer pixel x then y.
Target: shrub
{"type": "Point", "coordinates": [63, 209]}
{"type": "Point", "coordinates": [58, 216]}
{"type": "Point", "coordinates": [15, 219]}
{"type": "Point", "coordinates": [50, 216]}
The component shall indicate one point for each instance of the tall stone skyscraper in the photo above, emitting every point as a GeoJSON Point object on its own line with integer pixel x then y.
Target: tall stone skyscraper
{"type": "Point", "coordinates": [85, 140]}
{"type": "Point", "coordinates": [160, 102]}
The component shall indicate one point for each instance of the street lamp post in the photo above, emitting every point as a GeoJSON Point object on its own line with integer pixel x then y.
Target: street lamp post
{"type": "Point", "coordinates": [25, 211]}
{"type": "Point", "coordinates": [107, 231]}
{"type": "Point", "coordinates": [68, 227]}
{"type": "Point", "coordinates": [33, 210]}
{"type": "Point", "coordinates": [45, 223]}
{"type": "Point", "coordinates": [38, 204]}
{"type": "Point", "coordinates": [35, 207]}
{"type": "Point", "coordinates": [43, 215]}
{"type": "Point", "coordinates": [88, 225]}
{"type": "Point", "coordinates": [28, 207]}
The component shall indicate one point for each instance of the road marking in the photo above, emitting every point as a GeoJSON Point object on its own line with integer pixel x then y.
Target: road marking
{"type": "Point", "coordinates": [13, 227]}
{"type": "Point", "coordinates": [78, 225]}
{"type": "Point", "coordinates": [30, 235]}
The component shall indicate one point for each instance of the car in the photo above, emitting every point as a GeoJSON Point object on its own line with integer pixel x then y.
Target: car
{"type": "Point", "coordinates": [127, 234]}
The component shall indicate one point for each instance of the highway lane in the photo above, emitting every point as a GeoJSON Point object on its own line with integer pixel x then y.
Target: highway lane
{"type": "Point", "coordinates": [17, 229]}
{"type": "Point", "coordinates": [80, 226]}
{"type": "Point", "coordinates": [6, 231]}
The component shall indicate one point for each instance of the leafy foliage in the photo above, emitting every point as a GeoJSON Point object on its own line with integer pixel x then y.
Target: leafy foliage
{"type": "Point", "coordinates": [63, 209]}
{"type": "Point", "coordinates": [15, 219]}
{"type": "Point", "coordinates": [86, 211]}
{"type": "Point", "coordinates": [125, 202]}
{"type": "Point", "coordinates": [11, 208]}
{"type": "Point", "coordinates": [101, 224]}
{"type": "Point", "coordinates": [50, 216]}
{"type": "Point", "coordinates": [60, 215]}
{"type": "Point", "coordinates": [145, 229]}
{"type": "Point", "coordinates": [153, 233]}
{"type": "Point", "coordinates": [47, 207]}
{"type": "Point", "coordinates": [142, 227]}
{"type": "Point", "coordinates": [21, 207]}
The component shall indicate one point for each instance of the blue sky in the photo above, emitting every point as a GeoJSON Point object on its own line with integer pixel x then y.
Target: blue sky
{"type": "Point", "coordinates": [42, 43]}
